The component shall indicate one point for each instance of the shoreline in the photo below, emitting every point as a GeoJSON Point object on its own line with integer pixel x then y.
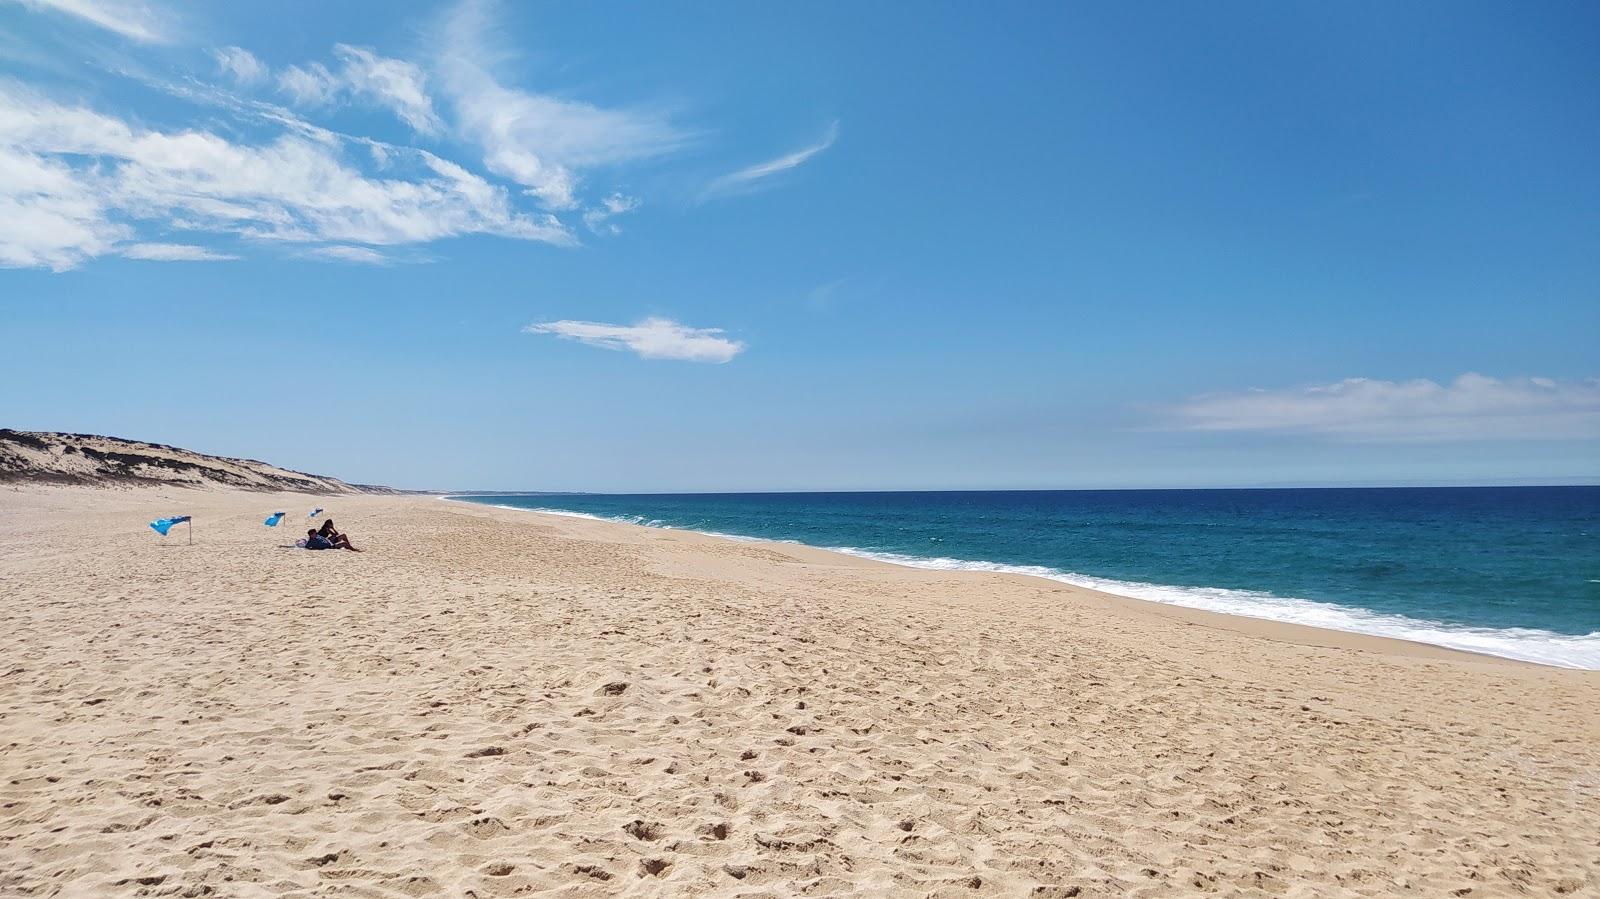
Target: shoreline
{"type": "Point", "coordinates": [1239, 622]}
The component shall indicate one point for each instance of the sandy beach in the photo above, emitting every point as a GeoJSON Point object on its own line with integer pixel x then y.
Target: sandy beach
{"type": "Point", "coordinates": [496, 703]}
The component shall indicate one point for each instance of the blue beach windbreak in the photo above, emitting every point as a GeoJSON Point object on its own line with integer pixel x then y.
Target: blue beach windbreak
{"type": "Point", "coordinates": [162, 525]}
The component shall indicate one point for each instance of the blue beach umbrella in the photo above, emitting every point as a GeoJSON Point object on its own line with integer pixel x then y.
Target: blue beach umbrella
{"type": "Point", "coordinates": [162, 525]}
{"type": "Point", "coordinates": [273, 519]}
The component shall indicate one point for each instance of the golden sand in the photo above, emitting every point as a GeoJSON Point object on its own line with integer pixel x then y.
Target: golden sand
{"type": "Point", "coordinates": [494, 703]}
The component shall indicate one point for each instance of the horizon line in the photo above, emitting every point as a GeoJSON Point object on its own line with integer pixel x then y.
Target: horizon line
{"type": "Point", "coordinates": [1490, 486]}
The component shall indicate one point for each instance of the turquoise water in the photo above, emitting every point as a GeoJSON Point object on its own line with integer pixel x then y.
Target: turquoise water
{"type": "Point", "coordinates": [1511, 571]}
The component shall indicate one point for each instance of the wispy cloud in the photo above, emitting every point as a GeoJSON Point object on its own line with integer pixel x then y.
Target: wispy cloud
{"type": "Point", "coordinates": [653, 338]}
{"type": "Point", "coordinates": [823, 295]}
{"type": "Point", "coordinates": [750, 177]}
{"type": "Point", "coordinates": [241, 65]}
{"type": "Point", "coordinates": [345, 253]}
{"type": "Point", "coordinates": [78, 182]}
{"type": "Point", "coordinates": [397, 85]}
{"type": "Point", "coordinates": [308, 85]}
{"type": "Point", "coordinates": [73, 181]}
{"type": "Point", "coordinates": [133, 20]}
{"type": "Point", "coordinates": [50, 216]}
{"type": "Point", "coordinates": [537, 140]}
{"type": "Point", "coordinates": [599, 218]}
{"type": "Point", "coordinates": [174, 252]}
{"type": "Point", "coordinates": [1471, 407]}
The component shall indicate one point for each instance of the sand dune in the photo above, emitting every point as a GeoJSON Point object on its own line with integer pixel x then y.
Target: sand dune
{"type": "Point", "coordinates": [491, 703]}
{"type": "Point", "coordinates": [50, 457]}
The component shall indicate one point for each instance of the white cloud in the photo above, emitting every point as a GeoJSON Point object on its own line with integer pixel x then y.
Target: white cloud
{"type": "Point", "coordinates": [73, 180]}
{"type": "Point", "coordinates": [540, 141]}
{"type": "Point", "coordinates": [399, 86]}
{"type": "Point", "coordinates": [49, 217]}
{"type": "Point", "coordinates": [129, 19]}
{"type": "Point", "coordinates": [77, 182]}
{"type": "Point", "coordinates": [653, 338]}
{"type": "Point", "coordinates": [599, 218]}
{"type": "Point", "coordinates": [1472, 407]}
{"type": "Point", "coordinates": [174, 252]}
{"type": "Point", "coordinates": [241, 65]}
{"type": "Point", "coordinates": [750, 176]}
{"type": "Point", "coordinates": [341, 253]}
{"type": "Point", "coordinates": [312, 85]}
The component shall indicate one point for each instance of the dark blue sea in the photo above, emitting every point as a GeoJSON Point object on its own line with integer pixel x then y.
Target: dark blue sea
{"type": "Point", "coordinates": [1510, 571]}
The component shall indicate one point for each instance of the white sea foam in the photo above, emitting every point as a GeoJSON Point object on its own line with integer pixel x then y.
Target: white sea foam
{"type": "Point", "coordinates": [1524, 644]}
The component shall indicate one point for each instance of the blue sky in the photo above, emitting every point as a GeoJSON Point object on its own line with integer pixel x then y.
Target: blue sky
{"type": "Point", "coordinates": [741, 246]}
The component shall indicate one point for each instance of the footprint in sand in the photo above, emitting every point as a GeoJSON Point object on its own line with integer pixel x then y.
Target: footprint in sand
{"type": "Point", "coordinates": [594, 871]}
{"type": "Point", "coordinates": [484, 828]}
{"type": "Point", "coordinates": [642, 830]}
{"type": "Point", "coordinates": [654, 867]}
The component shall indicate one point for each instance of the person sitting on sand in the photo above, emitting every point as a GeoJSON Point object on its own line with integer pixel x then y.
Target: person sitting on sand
{"type": "Point", "coordinates": [334, 537]}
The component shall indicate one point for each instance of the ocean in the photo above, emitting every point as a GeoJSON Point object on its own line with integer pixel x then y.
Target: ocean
{"type": "Point", "coordinates": [1508, 571]}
